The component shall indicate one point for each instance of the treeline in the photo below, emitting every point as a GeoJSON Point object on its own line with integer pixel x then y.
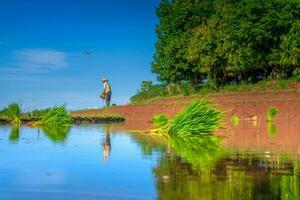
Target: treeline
{"type": "Point", "coordinates": [219, 42]}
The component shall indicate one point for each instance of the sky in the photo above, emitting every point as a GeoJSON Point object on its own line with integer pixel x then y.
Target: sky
{"type": "Point", "coordinates": [54, 52]}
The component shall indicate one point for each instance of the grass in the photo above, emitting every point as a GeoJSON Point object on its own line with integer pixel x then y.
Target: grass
{"type": "Point", "coordinates": [160, 91]}
{"type": "Point", "coordinates": [271, 113]}
{"type": "Point", "coordinates": [77, 119]}
{"type": "Point", "coordinates": [12, 113]}
{"type": "Point", "coordinates": [200, 117]}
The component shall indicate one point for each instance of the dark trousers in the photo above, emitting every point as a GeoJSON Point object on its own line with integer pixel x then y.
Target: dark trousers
{"type": "Point", "coordinates": [107, 98]}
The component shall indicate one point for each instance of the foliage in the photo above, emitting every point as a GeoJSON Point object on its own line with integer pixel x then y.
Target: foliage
{"type": "Point", "coordinates": [235, 120]}
{"type": "Point", "coordinates": [200, 117]}
{"type": "Point", "coordinates": [187, 89]}
{"type": "Point", "coordinates": [148, 91]}
{"type": "Point", "coordinates": [272, 112]}
{"type": "Point", "coordinates": [13, 113]}
{"type": "Point", "coordinates": [223, 42]}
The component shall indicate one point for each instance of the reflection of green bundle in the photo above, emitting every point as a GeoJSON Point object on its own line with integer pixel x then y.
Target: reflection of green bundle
{"type": "Point", "coordinates": [272, 129]}
{"type": "Point", "coordinates": [201, 152]}
{"type": "Point", "coordinates": [199, 118]}
{"type": "Point", "coordinates": [56, 133]}
{"type": "Point", "coordinates": [15, 133]}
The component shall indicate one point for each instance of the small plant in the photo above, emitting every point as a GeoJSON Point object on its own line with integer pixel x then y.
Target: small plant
{"type": "Point", "coordinates": [235, 120]}
{"type": "Point", "coordinates": [271, 113]}
{"type": "Point", "coordinates": [200, 117]}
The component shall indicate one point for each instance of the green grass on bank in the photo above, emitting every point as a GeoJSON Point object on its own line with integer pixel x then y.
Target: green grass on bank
{"type": "Point", "coordinates": [151, 92]}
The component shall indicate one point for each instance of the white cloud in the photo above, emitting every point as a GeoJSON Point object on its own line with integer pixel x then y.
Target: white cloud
{"type": "Point", "coordinates": [40, 59]}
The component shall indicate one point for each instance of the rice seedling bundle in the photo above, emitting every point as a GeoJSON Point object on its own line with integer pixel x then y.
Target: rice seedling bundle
{"type": "Point", "coordinates": [13, 113]}
{"type": "Point", "coordinates": [200, 117]}
{"type": "Point", "coordinates": [57, 116]}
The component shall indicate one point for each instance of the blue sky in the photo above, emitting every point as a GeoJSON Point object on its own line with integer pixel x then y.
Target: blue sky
{"type": "Point", "coordinates": [42, 45]}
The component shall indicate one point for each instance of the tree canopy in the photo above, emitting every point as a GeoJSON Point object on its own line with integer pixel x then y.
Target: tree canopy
{"type": "Point", "coordinates": [227, 41]}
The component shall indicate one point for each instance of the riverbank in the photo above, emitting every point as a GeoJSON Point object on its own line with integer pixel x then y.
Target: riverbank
{"type": "Point", "coordinates": [75, 119]}
{"type": "Point", "coordinates": [247, 105]}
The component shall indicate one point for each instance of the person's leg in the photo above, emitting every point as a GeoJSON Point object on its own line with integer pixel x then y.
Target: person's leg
{"type": "Point", "coordinates": [108, 99]}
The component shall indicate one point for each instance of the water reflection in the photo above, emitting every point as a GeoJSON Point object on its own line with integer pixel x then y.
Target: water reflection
{"type": "Point", "coordinates": [231, 177]}
{"type": "Point", "coordinates": [106, 144]}
{"type": "Point", "coordinates": [202, 169]}
{"type": "Point", "coordinates": [272, 128]}
{"type": "Point", "coordinates": [56, 134]}
{"type": "Point", "coordinates": [14, 134]}
{"type": "Point", "coordinates": [181, 169]}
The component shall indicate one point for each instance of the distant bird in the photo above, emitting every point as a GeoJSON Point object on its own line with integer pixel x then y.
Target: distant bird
{"type": "Point", "coordinates": [86, 52]}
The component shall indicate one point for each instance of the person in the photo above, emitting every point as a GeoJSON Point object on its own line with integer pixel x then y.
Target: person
{"type": "Point", "coordinates": [106, 94]}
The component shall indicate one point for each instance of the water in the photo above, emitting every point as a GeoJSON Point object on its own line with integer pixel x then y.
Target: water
{"type": "Point", "coordinates": [105, 162]}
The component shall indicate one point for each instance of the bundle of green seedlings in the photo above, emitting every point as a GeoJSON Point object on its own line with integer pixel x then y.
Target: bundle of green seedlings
{"type": "Point", "coordinates": [199, 118]}
{"type": "Point", "coordinates": [56, 116]}
{"type": "Point", "coordinates": [12, 113]}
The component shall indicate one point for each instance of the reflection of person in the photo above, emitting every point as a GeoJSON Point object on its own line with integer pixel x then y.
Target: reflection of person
{"type": "Point", "coordinates": [106, 144]}
{"type": "Point", "coordinates": [106, 94]}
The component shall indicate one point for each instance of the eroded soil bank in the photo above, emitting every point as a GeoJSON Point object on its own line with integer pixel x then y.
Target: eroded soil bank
{"type": "Point", "coordinates": [244, 105]}
{"type": "Point", "coordinates": [253, 131]}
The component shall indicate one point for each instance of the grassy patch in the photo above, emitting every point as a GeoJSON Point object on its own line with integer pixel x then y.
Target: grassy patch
{"type": "Point", "coordinates": [151, 92]}
{"type": "Point", "coordinates": [97, 119]}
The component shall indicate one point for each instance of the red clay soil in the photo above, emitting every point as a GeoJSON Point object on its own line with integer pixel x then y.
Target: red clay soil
{"type": "Point", "coordinates": [251, 108]}
{"type": "Point", "coordinates": [244, 105]}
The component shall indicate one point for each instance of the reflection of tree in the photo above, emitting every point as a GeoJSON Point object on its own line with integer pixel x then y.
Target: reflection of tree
{"type": "Point", "coordinates": [14, 133]}
{"type": "Point", "coordinates": [56, 133]}
{"type": "Point", "coordinates": [203, 171]}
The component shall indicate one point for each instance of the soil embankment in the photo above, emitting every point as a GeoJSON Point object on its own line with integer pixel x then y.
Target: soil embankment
{"type": "Point", "coordinates": [244, 105]}
{"type": "Point", "coordinates": [253, 131]}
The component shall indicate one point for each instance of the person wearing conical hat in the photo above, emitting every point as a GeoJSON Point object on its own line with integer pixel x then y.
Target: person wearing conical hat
{"type": "Point", "coordinates": [106, 94]}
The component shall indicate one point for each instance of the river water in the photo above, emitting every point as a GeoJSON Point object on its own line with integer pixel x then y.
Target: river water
{"type": "Point", "coordinates": [106, 162]}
